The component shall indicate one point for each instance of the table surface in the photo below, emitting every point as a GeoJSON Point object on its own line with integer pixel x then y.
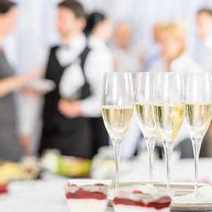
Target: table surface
{"type": "Point", "coordinates": [181, 170]}
{"type": "Point", "coordinates": [35, 196]}
{"type": "Point", "coordinates": [48, 194]}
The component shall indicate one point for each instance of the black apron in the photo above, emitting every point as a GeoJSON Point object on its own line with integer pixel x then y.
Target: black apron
{"type": "Point", "coordinates": [71, 136]}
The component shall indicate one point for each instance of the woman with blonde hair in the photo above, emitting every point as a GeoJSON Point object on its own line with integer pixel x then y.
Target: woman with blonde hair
{"type": "Point", "coordinates": [173, 50]}
{"type": "Point", "coordinates": [174, 57]}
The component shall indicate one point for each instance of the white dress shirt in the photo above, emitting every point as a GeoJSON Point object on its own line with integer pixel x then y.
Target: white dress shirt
{"type": "Point", "coordinates": [98, 62]}
{"type": "Point", "coordinates": [68, 53]}
{"type": "Point", "coordinates": [127, 60]}
{"type": "Point", "coordinates": [72, 78]}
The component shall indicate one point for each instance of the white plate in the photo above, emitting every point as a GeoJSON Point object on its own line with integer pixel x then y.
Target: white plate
{"type": "Point", "coordinates": [42, 85]}
{"type": "Point", "coordinates": [192, 207]}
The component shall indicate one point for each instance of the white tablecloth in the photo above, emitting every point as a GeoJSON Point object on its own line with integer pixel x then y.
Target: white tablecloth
{"type": "Point", "coordinates": [181, 170]}
{"type": "Point", "coordinates": [48, 195]}
{"type": "Point", "coordinates": [38, 196]}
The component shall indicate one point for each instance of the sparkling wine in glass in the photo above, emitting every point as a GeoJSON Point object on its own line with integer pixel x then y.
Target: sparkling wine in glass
{"type": "Point", "coordinates": [117, 111]}
{"type": "Point", "coordinates": [198, 100]}
{"type": "Point", "coordinates": [145, 113]}
{"type": "Point", "coordinates": [169, 111]}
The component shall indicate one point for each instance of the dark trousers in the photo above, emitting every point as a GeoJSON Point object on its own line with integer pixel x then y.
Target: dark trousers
{"type": "Point", "coordinates": [71, 142]}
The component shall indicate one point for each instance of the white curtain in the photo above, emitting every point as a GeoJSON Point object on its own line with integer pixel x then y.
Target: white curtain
{"type": "Point", "coordinates": [36, 26]}
{"type": "Point", "coordinates": [36, 31]}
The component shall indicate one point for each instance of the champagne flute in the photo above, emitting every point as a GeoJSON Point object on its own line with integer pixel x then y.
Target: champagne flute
{"type": "Point", "coordinates": [169, 111]}
{"type": "Point", "coordinates": [145, 114]}
{"type": "Point", "coordinates": [117, 111]}
{"type": "Point", "coordinates": [198, 100]}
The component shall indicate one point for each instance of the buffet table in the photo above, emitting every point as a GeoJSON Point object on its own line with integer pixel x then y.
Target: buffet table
{"type": "Point", "coordinates": [35, 196]}
{"type": "Point", "coordinates": [181, 170]}
{"type": "Point", "coordinates": [48, 194]}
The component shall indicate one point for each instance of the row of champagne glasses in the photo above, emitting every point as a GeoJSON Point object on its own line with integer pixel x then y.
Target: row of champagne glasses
{"type": "Point", "coordinates": [162, 101]}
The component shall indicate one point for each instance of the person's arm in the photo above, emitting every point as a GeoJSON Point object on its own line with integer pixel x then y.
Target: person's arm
{"type": "Point", "coordinates": [11, 84]}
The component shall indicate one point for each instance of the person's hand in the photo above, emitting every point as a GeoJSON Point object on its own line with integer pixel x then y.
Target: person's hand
{"type": "Point", "coordinates": [28, 77]}
{"type": "Point", "coordinates": [70, 109]}
{"type": "Point", "coordinates": [27, 91]}
{"type": "Point", "coordinates": [33, 75]}
{"type": "Point", "coordinates": [26, 143]}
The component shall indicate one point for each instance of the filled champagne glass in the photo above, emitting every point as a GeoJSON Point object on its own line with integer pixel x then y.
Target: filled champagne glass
{"type": "Point", "coordinates": [145, 115]}
{"type": "Point", "coordinates": [117, 111]}
{"type": "Point", "coordinates": [198, 101]}
{"type": "Point", "coordinates": [169, 111]}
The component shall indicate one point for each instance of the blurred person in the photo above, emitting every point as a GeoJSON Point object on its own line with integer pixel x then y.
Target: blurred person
{"type": "Point", "coordinates": [174, 57]}
{"type": "Point", "coordinates": [174, 50]}
{"type": "Point", "coordinates": [203, 55]}
{"type": "Point", "coordinates": [99, 32]}
{"type": "Point", "coordinates": [10, 147]}
{"type": "Point", "coordinates": [66, 126]}
{"type": "Point", "coordinates": [98, 61]}
{"type": "Point", "coordinates": [126, 57]}
{"type": "Point", "coordinates": [203, 49]}
{"type": "Point", "coordinates": [70, 136]}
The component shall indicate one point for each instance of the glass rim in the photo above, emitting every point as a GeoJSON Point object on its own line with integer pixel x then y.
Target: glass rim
{"type": "Point", "coordinates": [118, 73]}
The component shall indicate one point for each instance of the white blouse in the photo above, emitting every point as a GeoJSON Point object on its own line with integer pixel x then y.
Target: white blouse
{"type": "Point", "coordinates": [98, 62]}
{"type": "Point", "coordinates": [182, 64]}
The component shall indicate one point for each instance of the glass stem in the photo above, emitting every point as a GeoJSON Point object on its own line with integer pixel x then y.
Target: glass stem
{"type": "Point", "coordinates": [116, 149]}
{"type": "Point", "coordinates": [168, 151]}
{"type": "Point", "coordinates": [196, 143]}
{"type": "Point", "coordinates": [150, 147]}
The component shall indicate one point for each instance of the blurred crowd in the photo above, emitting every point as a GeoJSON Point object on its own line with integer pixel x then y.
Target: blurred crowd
{"type": "Point", "coordinates": [69, 87]}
